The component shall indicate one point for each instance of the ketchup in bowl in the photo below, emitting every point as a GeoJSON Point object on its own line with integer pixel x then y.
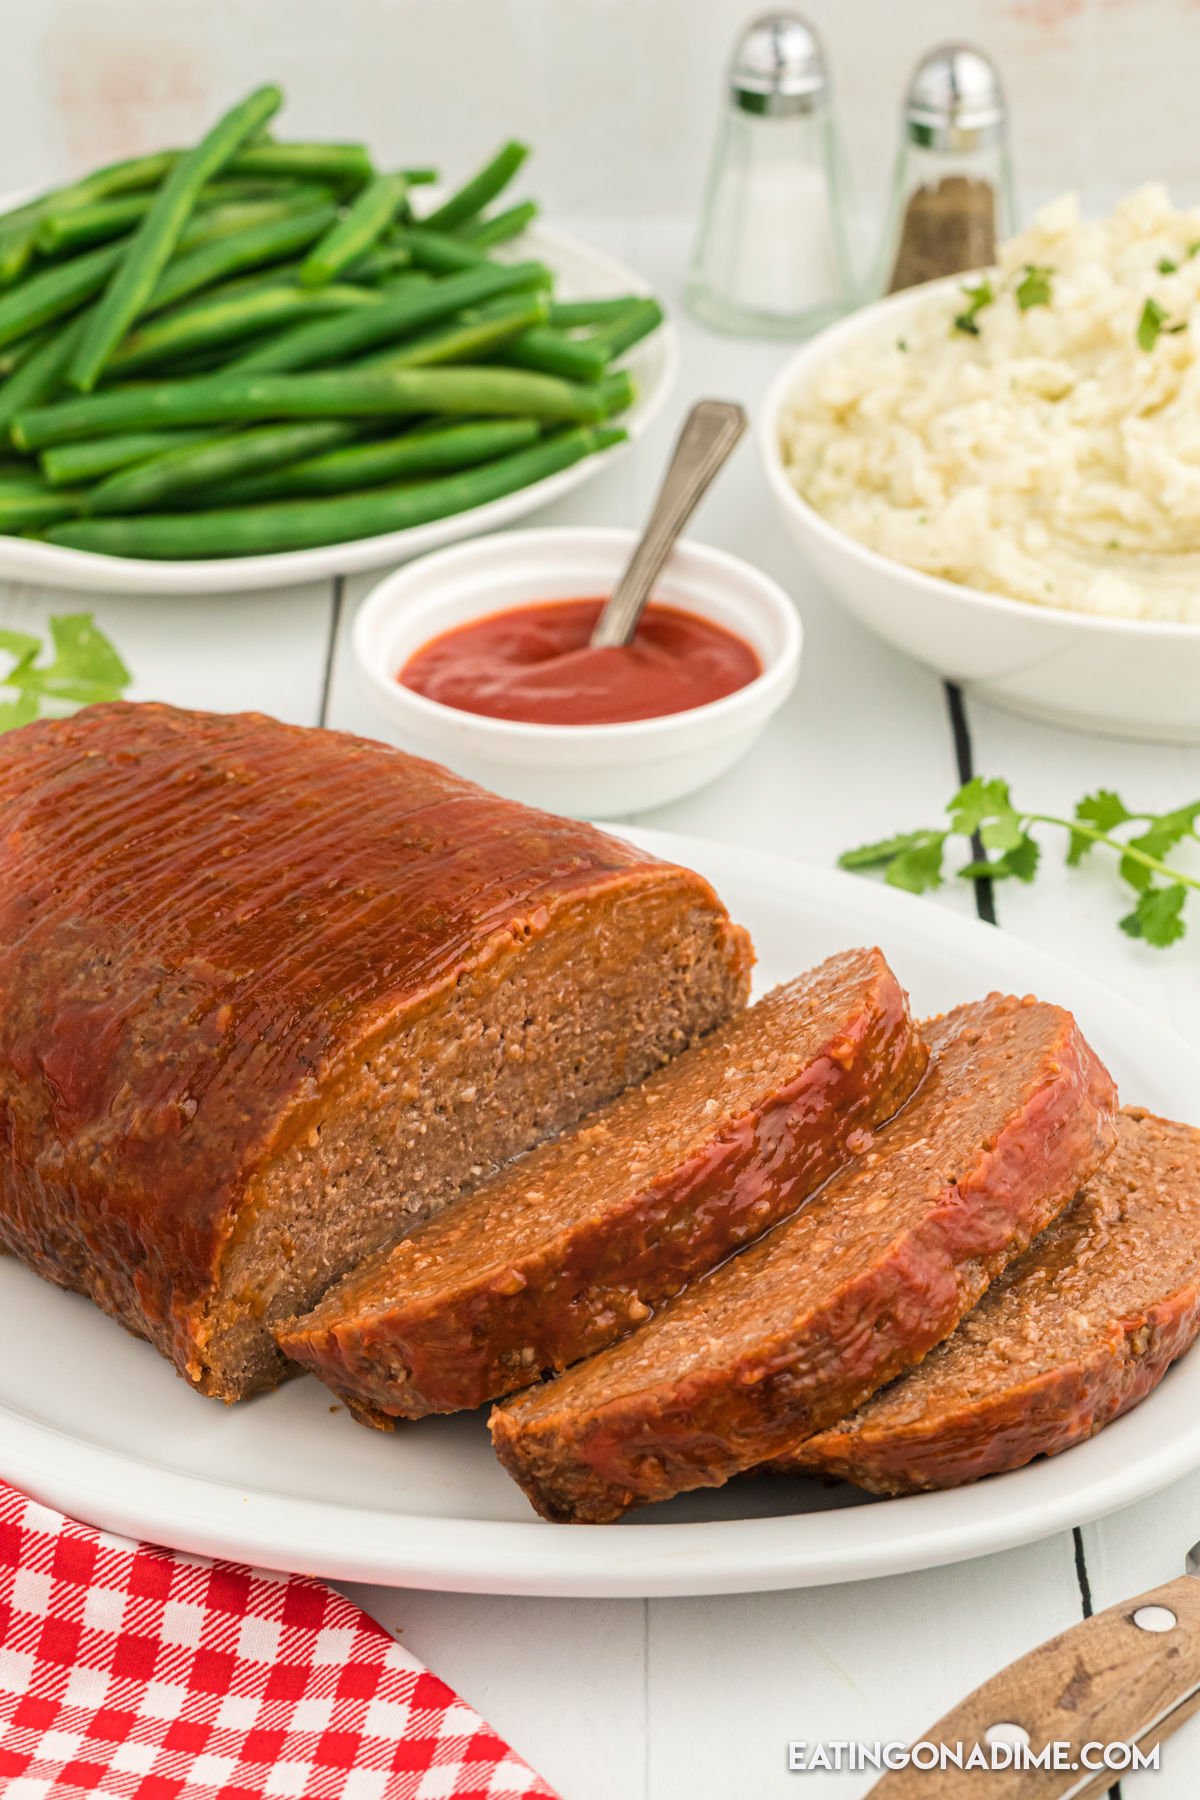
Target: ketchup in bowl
{"type": "Point", "coordinates": [533, 664]}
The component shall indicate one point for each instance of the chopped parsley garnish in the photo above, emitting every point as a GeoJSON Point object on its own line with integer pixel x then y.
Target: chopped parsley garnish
{"type": "Point", "coordinates": [979, 296]}
{"type": "Point", "coordinates": [1153, 324]}
{"type": "Point", "coordinates": [1165, 266]}
{"type": "Point", "coordinates": [1034, 289]}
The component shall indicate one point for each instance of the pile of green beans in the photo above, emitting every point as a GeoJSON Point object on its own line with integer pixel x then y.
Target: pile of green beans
{"type": "Point", "coordinates": [253, 346]}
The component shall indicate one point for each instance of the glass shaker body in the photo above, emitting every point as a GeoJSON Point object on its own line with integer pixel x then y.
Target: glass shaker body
{"type": "Point", "coordinates": [949, 211]}
{"type": "Point", "coordinates": [952, 193]}
{"type": "Point", "coordinates": [771, 256]}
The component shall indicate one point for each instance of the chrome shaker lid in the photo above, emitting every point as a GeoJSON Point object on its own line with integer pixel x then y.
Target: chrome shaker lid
{"type": "Point", "coordinates": [778, 66]}
{"type": "Point", "coordinates": [955, 100]}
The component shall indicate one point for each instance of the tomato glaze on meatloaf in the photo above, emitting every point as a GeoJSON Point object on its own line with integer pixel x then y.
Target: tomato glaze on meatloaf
{"type": "Point", "coordinates": [273, 995]}
{"type": "Point", "coordinates": [1015, 1113]}
{"type": "Point", "coordinates": [570, 1246]}
{"type": "Point", "coordinates": [1074, 1333]}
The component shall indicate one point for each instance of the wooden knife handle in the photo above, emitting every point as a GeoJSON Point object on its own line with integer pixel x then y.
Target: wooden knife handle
{"type": "Point", "coordinates": [1109, 1679]}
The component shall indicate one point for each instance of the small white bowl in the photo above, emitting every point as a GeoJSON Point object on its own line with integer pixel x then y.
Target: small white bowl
{"type": "Point", "coordinates": [1126, 677]}
{"type": "Point", "coordinates": [586, 771]}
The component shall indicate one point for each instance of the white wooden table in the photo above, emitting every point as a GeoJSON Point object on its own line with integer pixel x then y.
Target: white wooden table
{"type": "Point", "coordinates": [662, 1699]}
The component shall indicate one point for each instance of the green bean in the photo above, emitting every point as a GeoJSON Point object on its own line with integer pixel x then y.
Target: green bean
{"type": "Point", "coordinates": [346, 165]}
{"type": "Point", "coordinates": [377, 265]}
{"type": "Point", "coordinates": [369, 465]}
{"type": "Point", "coordinates": [29, 510]}
{"type": "Point", "coordinates": [480, 330]}
{"type": "Point", "coordinates": [328, 341]}
{"type": "Point", "coordinates": [569, 313]}
{"type": "Point", "coordinates": [627, 329]}
{"type": "Point", "coordinates": [300, 524]}
{"type": "Point", "coordinates": [616, 393]}
{"type": "Point", "coordinates": [557, 354]}
{"type": "Point", "coordinates": [217, 222]}
{"type": "Point", "coordinates": [55, 292]}
{"type": "Point", "coordinates": [39, 378]}
{"type": "Point", "coordinates": [211, 322]}
{"type": "Point", "coordinates": [247, 249]}
{"type": "Point", "coordinates": [435, 251]}
{"type": "Point", "coordinates": [357, 232]}
{"type": "Point", "coordinates": [482, 188]}
{"type": "Point", "coordinates": [484, 234]}
{"type": "Point", "coordinates": [17, 243]}
{"type": "Point", "coordinates": [339, 394]}
{"type": "Point", "coordinates": [96, 457]}
{"type": "Point", "coordinates": [149, 250]}
{"type": "Point", "coordinates": [419, 177]}
{"type": "Point", "coordinates": [13, 355]}
{"type": "Point", "coordinates": [212, 463]}
{"type": "Point", "coordinates": [75, 227]}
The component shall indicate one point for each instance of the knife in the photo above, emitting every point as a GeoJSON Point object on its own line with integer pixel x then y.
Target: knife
{"type": "Point", "coordinates": [1130, 1675]}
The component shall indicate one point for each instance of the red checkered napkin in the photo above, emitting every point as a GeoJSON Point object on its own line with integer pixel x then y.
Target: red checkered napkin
{"type": "Point", "coordinates": [147, 1675]}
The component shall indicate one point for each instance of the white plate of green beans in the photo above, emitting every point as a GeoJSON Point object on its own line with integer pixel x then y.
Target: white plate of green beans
{"type": "Point", "coordinates": [258, 362]}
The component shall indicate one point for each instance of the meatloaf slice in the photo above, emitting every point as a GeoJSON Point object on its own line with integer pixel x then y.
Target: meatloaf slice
{"type": "Point", "coordinates": [273, 995]}
{"type": "Point", "coordinates": [1015, 1113]}
{"type": "Point", "coordinates": [1073, 1334]}
{"type": "Point", "coordinates": [570, 1246]}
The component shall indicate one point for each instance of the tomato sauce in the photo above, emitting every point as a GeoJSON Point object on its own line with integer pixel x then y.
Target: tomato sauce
{"type": "Point", "coordinates": [534, 664]}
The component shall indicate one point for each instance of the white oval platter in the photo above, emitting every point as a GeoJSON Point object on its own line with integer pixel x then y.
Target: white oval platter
{"type": "Point", "coordinates": [92, 1421]}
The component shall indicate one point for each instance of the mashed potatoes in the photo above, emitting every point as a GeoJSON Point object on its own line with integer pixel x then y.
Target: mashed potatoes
{"type": "Point", "coordinates": [1053, 454]}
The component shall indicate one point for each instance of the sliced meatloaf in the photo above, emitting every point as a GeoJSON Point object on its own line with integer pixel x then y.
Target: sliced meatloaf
{"type": "Point", "coordinates": [570, 1246]}
{"type": "Point", "coordinates": [1074, 1333]}
{"type": "Point", "coordinates": [1015, 1113]}
{"type": "Point", "coordinates": [272, 995]}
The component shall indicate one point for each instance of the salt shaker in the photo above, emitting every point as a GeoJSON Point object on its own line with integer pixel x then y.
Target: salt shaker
{"type": "Point", "coordinates": [771, 256]}
{"type": "Point", "coordinates": [952, 193]}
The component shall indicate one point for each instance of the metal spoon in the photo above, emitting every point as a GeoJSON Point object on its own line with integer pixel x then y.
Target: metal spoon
{"type": "Point", "coordinates": [710, 431]}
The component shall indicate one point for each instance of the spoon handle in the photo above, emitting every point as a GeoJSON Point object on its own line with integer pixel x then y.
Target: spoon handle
{"type": "Point", "coordinates": [710, 431]}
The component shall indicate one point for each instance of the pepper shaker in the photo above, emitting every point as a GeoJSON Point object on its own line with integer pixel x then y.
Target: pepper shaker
{"type": "Point", "coordinates": [952, 193]}
{"type": "Point", "coordinates": [771, 256]}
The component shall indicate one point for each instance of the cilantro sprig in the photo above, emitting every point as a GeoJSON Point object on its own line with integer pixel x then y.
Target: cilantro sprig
{"type": "Point", "coordinates": [984, 812]}
{"type": "Point", "coordinates": [78, 668]}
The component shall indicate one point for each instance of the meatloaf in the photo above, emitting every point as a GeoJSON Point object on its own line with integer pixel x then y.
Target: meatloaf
{"type": "Point", "coordinates": [1015, 1113]}
{"type": "Point", "coordinates": [1074, 1333]}
{"type": "Point", "coordinates": [570, 1246]}
{"type": "Point", "coordinates": [272, 995]}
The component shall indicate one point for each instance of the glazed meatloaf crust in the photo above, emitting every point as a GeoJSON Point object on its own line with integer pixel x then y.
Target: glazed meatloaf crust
{"type": "Point", "coordinates": [570, 1246]}
{"type": "Point", "coordinates": [272, 994]}
{"type": "Point", "coordinates": [1074, 1333]}
{"type": "Point", "coordinates": [1015, 1113]}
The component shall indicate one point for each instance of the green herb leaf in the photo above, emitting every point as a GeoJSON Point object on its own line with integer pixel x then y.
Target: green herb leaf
{"type": "Point", "coordinates": [979, 294]}
{"type": "Point", "coordinates": [1020, 861]}
{"type": "Point", "coordinates": [1105, 810]}
{"type": "Point", "coordinates": [1165, 266]}
{"type": "Point", "coordinates": [22, 711]}
{"type": "Point", "coordinates": [1150, 324]}
{"type": "Point", "coordinates": [876, 856]}
{"type": "Point", "coordinates": [83, 668]}
{"type": "Point", "coordinates": [1157, 917]}
{"type": "Point", "coordinates": [918, 868]}
{"type": "Point", "coordinates": [978, 802]}
{"type": "Point", "coordinates": [1034, 289]}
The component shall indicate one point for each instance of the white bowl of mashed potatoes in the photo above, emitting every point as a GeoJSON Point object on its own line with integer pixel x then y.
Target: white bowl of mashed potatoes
{"type": "Point", "coordinates": [1000, 473]}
